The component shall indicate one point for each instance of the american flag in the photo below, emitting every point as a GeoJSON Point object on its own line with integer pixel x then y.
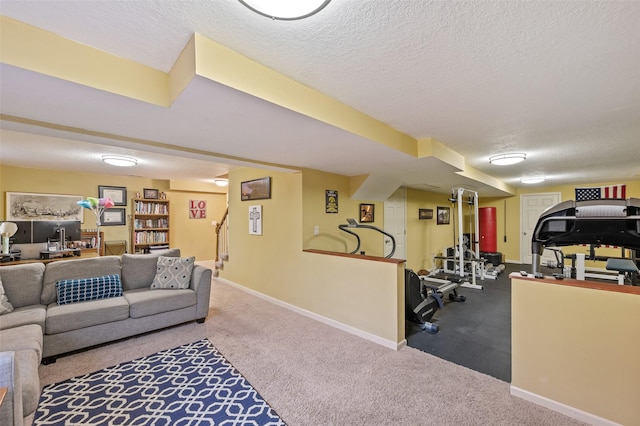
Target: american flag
{"type": "Point", "coordinates": [601, 192]}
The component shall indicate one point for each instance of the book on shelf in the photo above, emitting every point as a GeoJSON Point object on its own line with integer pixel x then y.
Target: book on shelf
{"type": "Point", "coordinates": [143, 207]}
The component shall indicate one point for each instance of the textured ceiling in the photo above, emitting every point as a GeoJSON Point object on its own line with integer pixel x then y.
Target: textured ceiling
{"type": "Point", "coordinates": [558, 80]}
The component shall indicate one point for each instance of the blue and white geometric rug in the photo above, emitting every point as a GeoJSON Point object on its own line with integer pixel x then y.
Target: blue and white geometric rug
{"type": "Point", "coordinates": [189, 385]}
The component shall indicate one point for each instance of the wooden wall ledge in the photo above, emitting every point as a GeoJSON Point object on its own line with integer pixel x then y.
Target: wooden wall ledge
{"type": "Point", "coordinates": [355, 256]}
{"type": "Point", "coordinates": [594, 285]}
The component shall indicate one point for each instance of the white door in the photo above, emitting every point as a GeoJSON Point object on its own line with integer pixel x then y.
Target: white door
{"type": "Point", "coordinates": [531, 207]}
{"type": "Point", "coordinates": [395, 223]}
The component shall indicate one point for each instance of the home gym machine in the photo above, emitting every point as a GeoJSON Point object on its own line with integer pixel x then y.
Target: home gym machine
{"type": "Point", "coordinates": [614, 222]}
{"type": "Point", "coordinates": [352, 224]}
{"type": "Point", "coordinates": [463, 259]}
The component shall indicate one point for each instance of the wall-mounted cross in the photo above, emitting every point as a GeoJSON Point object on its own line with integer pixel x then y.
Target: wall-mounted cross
{"type": "Point", "coordinates": [254, 216]}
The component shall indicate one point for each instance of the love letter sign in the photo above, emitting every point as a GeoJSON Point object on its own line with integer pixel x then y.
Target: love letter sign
{"type": "Point", "coordinates": [197, 209]}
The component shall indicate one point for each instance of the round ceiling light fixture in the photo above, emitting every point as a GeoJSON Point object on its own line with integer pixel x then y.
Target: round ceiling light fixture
{"type": "Point", "coordinates": [119, 160]}
{"type": "Point", "coordinates": [533, 179]}
{"type": "Point", "coordinates": [286, 10]}
{"type": "Point", "coordinates": [507, 159]}
{"type": "Point", "coordinates": [221, 181]}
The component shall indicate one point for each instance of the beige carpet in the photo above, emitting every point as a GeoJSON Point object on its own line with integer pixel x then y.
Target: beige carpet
{"type": "Point", "coordinates": [313, 374]}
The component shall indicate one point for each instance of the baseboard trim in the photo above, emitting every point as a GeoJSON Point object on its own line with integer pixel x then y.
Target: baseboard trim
{"type": "Point", "coordinates": [328, 321]}
{"type": "Point", "coordinates": [567, 410]}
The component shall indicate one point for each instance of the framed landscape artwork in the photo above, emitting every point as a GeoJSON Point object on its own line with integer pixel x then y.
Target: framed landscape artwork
{"type": "Point", "coordinates": [257, 189]}
{"type": "Point", "coordinates": [425, 214]}
{"type": "Point", "coordinates": [30, 206]}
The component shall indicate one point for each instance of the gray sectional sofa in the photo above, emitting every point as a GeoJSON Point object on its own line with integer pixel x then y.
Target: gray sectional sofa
{"type": "Point", "coordinates": [39, 328]}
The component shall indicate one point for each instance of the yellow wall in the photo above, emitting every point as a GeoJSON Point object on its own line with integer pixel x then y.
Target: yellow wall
{"type": "Point", "coordinates": [425, 238]}
{"type": "Point", "coordinates": [330, 237]}
{"type": "Point", "coordinates": [359, 293]}
{"type": "Point", "coordinates": [194, 237]}
{"type": "Point", "coordinates": [577, 346]}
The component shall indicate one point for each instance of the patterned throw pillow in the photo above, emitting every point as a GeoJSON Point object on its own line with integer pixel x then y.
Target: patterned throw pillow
{"type": "Point", "coordinates": [5, 305]}
{"type": "Point", "coordinates": [173, 272]}
{"type": "Point", "coordinates": [83, 289]}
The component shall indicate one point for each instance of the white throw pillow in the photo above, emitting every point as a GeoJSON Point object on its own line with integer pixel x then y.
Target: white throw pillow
{"type": "Point", "coordinates": [173, 272]}
{"type": "Point", "coordinates": [5, 305]}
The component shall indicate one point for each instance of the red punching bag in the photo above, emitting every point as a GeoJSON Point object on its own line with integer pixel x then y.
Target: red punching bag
{"type": "Point", "coordinates": [488, 229]}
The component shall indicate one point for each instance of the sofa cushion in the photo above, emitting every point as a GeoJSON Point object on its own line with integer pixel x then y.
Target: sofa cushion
{"type": "Point", "coordinates": [173, 272]}
{"type": "Point", "coordinates": [75, 269]}
{"type": "Point", "coordinates": [23, 283]}
{"type": "Point", "coordinates": [5, 305]}
{"type": "Point", "coordinates": [95, 288]}
{"type": "Point", "coordinates": [74, 316]}
{"type": "Point", "coordinates": [26, 337]}
{"type": "Point", "coordinates": [11, 407]}
{"type": "Point", "coordinates": [27, 367]}
{"type": "Point", "coordinates": [139, 270]}
{"type": "Point", "coordinates": [33, 314]}
{"type": "Point", "coordinates": [145, 302]}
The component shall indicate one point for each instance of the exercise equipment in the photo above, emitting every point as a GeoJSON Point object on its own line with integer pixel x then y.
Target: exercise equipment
{"type": "Point", "coordinates": [614, 222]}
{"type": "Point", "coordinates": [488, 227]}
{"type": "Point", "coordinates": [420, 303]}
{"type": "Point", "coordinates": [579, 270]}
{"type": "Point", "coordinates": [425, 294]}
{"type": "Point", "coordinates": [441, 287]}
{"type": "Point", "coordinates": [352, 224]}
{"type": "Point", "coordinates": [623, 267]}
{"type": "Point", "coordinates": [463, 259]}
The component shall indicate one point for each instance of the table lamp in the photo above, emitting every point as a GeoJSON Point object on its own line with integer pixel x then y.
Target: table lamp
{"type": "Point", "coordinates": [7, 230]}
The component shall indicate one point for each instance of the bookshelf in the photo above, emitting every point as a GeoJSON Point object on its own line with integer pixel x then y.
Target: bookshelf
{"type": "Point", "coordinates": [88, 240]}
{"type": "Point", "coordinates": [150, 225]}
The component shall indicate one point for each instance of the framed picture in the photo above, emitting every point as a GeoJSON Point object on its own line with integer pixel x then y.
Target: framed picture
{"type": "Point", "coordinates": [367, 212]}
{"type": "Point", "coordinates": [444, 214]}
{"type": "Point", "coordinates": [257, 189]}
{"type": "Point", "coordinates": [425, 214]}
{"type": "Point", "coordinates": [150, 194]}
{"type": "Point", "coordinates": [255, 220]}
{"type": "Point", "coordinates": [118, 194]}
{"type": "Point", "coordinates": [331, 201]}
{"type": "Point", "coordinates": [28, 206]}
{"type": "Point", "coordinates": [113, 217]}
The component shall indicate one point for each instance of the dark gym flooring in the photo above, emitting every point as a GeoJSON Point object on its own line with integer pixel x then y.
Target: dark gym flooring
{"type": "Point", "coordinates": [477, 332]}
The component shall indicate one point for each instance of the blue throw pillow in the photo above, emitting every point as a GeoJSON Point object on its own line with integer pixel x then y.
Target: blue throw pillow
{"type": "Point", "coordinates": [80, 290]}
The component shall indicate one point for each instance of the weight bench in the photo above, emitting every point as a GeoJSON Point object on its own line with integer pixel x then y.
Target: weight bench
{"type": "Point", "coordinates": [623, 266]}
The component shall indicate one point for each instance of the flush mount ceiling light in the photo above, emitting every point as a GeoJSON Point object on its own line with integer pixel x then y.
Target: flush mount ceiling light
{"type": "Point", "coordinates": [119, 160]}
{"type": "Point", "coordinates": [221, 182]}
{"type": "Point", "coordinates": [533, 179]}
{"type": "Point", "coordinates": [507, 159]}
{"type": "Point", "coordinates": [286, 10]}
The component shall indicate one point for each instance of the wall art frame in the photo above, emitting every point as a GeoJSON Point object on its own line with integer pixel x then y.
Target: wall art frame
{"type": "Point", "coordinates": [256, 189]}
{"type": "Point", "coordinates": [367, 213]}
{"type": "Point", "coordinates": [150, 194]}
{"type": "Point", "coordinates": [424, 214]}
{"type": "Point", "coordinates": [118, 194]}
{"type": "Point", "coordinates": [113, 217]}
{"type": "Point", "coordinates": [444, 215]}
{"type": "Point", "coordinates": [255, 220]}
{"type": "Point", "coordinates": [33, 206]}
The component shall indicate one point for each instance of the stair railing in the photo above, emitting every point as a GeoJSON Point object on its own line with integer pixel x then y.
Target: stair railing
{"type": "Point", "coordinates": [222, 237]}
